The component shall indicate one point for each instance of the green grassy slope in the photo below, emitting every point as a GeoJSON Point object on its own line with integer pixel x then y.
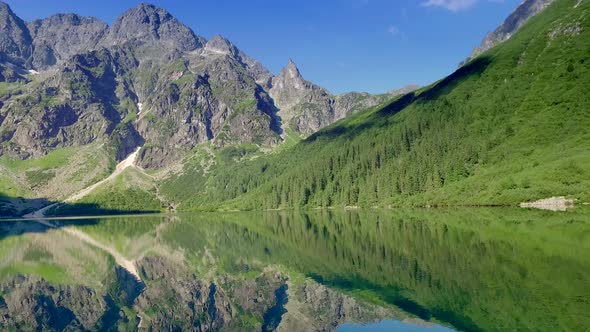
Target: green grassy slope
{"type": "Point", "coordinates": [129, 192]}
{"type": "Point", "coordinates": [510, 126]}
{"type": "Point", "coordinates": [27, 185]}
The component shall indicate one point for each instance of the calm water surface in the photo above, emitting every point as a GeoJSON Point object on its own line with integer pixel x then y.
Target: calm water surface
{"type": "Point", "coordinates": [408, 270]}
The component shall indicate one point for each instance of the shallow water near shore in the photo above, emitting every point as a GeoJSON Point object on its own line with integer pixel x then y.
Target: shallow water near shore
{"type": "Point", "coordinates": [419, 270]}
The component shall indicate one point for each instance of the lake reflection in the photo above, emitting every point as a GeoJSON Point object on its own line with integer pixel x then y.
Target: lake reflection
{"type": "Point", "coordinates": [419, 270]}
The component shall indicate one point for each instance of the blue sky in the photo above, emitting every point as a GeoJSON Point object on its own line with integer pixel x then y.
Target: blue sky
{"type": "Point", "coordinates": [343, 45]}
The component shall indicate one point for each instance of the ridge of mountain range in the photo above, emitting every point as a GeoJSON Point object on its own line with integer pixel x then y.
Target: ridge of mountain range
{"type": "Point", "coordinates": [149, 79]}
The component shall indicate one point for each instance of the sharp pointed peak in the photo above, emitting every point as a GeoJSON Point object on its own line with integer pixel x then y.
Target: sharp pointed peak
{"type": "Point", "coordinates": [291, 69]}
{"type": "Point", "coordinates": [291, 63]}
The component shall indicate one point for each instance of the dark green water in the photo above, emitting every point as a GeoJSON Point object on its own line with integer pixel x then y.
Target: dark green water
{"type": "Point", "coordinates": [432, 270]}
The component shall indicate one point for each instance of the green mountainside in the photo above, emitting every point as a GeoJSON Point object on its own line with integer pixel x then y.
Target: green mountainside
{"type": "Point", "coordinates": [507, 127]}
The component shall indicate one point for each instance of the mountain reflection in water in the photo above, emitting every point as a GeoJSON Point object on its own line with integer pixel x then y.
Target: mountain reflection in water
{"type": "Point", "coordinates": [433, 270]}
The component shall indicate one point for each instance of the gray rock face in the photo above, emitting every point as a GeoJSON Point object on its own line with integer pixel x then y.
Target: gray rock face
{"type": "Point", "coordinates": [220, 45]}
{"type": "Point", "coordinates": [171, 297]}
{"type": "Point", "coordinates": [58, 37]}
{"type": "Point", "coordinates": [148, 79]}
{"type": "Point", "coordinates": [526, 10]}
{"type": "Point", "coordinates": [44, 43]}
{"type": "Point", "coordinates": [80, 104]}
{"type": "Point", "coordinates": [31, 302]}
{"type": "Point", "coordinates": [306, 107]}
{"type": "Point", "coordinates": [11, 74]}
{"type": "Point", "coordinates": [189, 302]}
{"type": "Point", "coordinates": [15, 39]}
{"type": "Point", "coordinates": [202, 97]}
{"type": "Point", "coordinates": [326, 309]}
{"type": "Point", "coordinates": [404, 90]}
{"type": "Point", "coordinates": [154, 27]}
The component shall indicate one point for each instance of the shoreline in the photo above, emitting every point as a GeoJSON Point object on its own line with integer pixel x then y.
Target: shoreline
{"type": "Point", "coordinates": [553, 204]}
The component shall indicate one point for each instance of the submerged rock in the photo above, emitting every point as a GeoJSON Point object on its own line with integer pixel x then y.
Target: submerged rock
{"type": "Point", "coordinates": [551, 204]}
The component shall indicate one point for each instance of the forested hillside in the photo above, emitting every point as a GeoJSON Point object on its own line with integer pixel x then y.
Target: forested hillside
{"type": "Point", "coordinates": [509, 126]}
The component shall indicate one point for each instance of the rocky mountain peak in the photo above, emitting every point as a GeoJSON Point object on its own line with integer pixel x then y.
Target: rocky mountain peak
{"type": "Point", "coordinates": [522, 13]}
{"type": "Point", "coordinates": [219, 44]}
{"type": "Point", "coordinates": [290, 77]}
{"type": "Point", "coordinates": [70, 18]}
{"type": "Point", "coordinates": [149, 24]}
{"type": "Point", "coordinates": [293, 95]}
{"type": "Point", "coordinates": [145, 11]}
{"type": "Point", "coordinates": [291, 70]}
{"type": "Point", "coordinates": [15, 40]}
{"type": "Point", "coordinates": [58, 37]}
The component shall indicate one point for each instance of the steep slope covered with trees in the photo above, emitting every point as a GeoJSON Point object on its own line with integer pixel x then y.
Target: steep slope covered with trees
{"type": "Point", "coordinates": [509, 126]}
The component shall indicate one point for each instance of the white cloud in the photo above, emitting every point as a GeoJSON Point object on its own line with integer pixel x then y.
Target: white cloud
{"type": "Point", "coordinates": [393, 30]}
{"type": "Point", "coordinates": [453, 5]}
